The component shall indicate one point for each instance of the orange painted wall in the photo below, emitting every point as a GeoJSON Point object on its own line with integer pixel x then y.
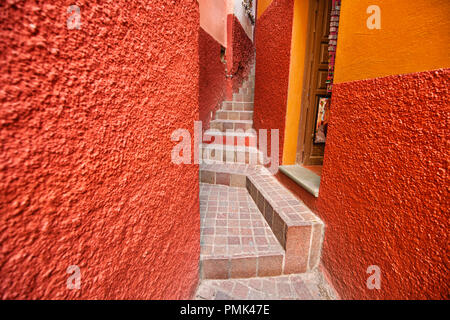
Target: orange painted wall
{"type": "Point", "coordinates": [383, 194]}
{"type": "Point", "coordinates": [262, 6]}
{"type": "Point", "coordinates": [414, 36]}
{"type": "Point", "coordinates": [297, 69]}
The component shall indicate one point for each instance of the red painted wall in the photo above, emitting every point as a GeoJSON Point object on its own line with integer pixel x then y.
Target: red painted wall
{"type": "Point", "coordinates": [383, 194]}
{"type": "Point", "coordinates": [242, 53]}
{"type": "Point", "coordinates": [213, 79]}
{"type": "Point", "coordinates": [85, 166]}
{"type": "Point", "coordinates": [273, 48]}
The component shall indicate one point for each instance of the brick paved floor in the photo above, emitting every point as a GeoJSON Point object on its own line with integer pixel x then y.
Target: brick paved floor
{"type": "Point", "coordinates": [307, 286]}
{"type": "Point", "coordinates": [231, 224]}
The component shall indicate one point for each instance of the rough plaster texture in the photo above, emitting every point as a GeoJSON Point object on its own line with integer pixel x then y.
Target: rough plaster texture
{"type": "Point", "coordinates": [384, 189]}
{"type": "Point", "coordinates": [213, 79]}
{"type": "Point", "coordinates": [241, 15]}
{"type": "Point", "coordinates": [242, 53]}
{"type": "Point", "coordinates": [85, 166]}
{"type": "Point", "coordinates": [273, 48]}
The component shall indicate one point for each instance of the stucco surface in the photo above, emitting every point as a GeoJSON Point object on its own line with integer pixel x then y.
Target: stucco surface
{"type": "Point", "coordinates": [273, 48]}
{"type": "Point", "coordinates": [213, 79]}
{"type": "Point", "coordinates": [243, 53]}
{"type": "Point", "coordinates": [213, 19]}
{"type": "Point", "coordinates": [384, 189]}
{"type": "Point", "coordinates": [85, 166]}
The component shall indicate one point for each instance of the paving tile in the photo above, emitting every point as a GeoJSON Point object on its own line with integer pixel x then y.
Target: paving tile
{"type": "Point", "coordinates": [240, 291]}
{"type": "Point", "coordinates": [306, 286]}
{"type": "Point", "coordinates": [220, 295]}
{"type": "Point", "coordinates": [232, 227]}
{"type": "Point", "coordinates": [215, 268]}
{"type": "Point", "coordinates": [243, 267]}
{"type": "Point", "coordinates": [270, 265]}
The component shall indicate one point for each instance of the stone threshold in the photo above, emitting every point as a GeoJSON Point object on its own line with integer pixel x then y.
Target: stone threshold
{"type": "Point", "coordinates": [305, 178]}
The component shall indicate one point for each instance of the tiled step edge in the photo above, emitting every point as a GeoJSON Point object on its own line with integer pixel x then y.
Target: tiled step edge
{"type": "Point", "coordinates": [297, 228]}
{"type": "Point", "coordinates": [261, 265]}
{"type": "Point", "coordinates": [237, 106]}
{"type": "Point", "coordinates": [236, 138]}
{"type": "Point", "coordinates": [216, 152]}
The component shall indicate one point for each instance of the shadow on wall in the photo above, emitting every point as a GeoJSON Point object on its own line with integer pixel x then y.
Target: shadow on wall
{"type": "Point", "coordinates": [212, 82]}
{"type": "Point", "coordinates": [242, 53]}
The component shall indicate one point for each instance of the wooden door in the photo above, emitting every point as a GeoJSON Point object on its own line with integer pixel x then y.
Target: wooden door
{"type": "Point", "coordinates": [308, 152]}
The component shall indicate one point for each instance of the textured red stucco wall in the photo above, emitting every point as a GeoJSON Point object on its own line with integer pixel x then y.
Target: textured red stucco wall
{"type": "Point", "coordinates": [243, 53]}
{"type": "Point", "coordinates": [384, 189]}
{"type": "Point", "coordinates": [213, 81]}
{"type": "Point", "coordinates": [273, 49]}
{"type": "Point", "coordinates": [85, 166]}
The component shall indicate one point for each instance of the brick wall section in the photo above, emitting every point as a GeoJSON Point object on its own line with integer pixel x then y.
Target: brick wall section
{"type": "Point", "coordinates": [85, 166]}
{"type": "Point", "coordinates": [273, 47]}
{"type": "Point", "coordinates": [212, 77]}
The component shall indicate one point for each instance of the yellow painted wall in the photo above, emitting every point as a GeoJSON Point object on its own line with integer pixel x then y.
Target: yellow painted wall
{"type": "Point", "coordinates": [262, 6]}
{"type": "Point", "coordinates": [296, 72]}
{"type": "Point", "coordinates": [414, 36]}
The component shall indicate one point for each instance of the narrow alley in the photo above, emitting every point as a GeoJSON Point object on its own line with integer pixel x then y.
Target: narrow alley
{"type": "Point", "coordinates": [210, 150]}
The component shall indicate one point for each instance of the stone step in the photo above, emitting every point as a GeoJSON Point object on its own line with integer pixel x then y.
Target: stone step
{"type": "Point", "coordinates": [305, 286]}
{"type": "Point", "coordinates": [223, 125]}
{"type": "Point", "coordinates": [237, 106]}
{"type": "Point", "coordinates": [242, 97]}
{"type": "Point", "coordinates": [243, 90]}
{"type": "Point", "coordinates": [236, 241]}
{"type": "Point", "coordinates": [215, 152]}
{"type": "Point", "coordinates": [248, 85]}
{"type": "Point", "coordinates": [299, 231]}
{"type": "Point", "coordinates": [236, 138]}
{"type": "Point", "coordinates": [234, 115]}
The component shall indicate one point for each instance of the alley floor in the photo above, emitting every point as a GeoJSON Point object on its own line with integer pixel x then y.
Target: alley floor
{"type": "Point", "coordinates": [232, 227]}
{"type": "Point", "coordinates": [258, 241]}
{"type": "Point", "coordinates": [306, 286]}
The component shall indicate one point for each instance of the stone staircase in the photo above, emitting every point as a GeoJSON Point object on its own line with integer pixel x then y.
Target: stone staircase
{"type": "Point", "coordinates": [251, 226]}
{"type": "Point", "coordinates": [231, 136]}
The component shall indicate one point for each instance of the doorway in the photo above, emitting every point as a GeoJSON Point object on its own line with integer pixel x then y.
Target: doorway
{"type": "Point", "coordinates": [315, 99]}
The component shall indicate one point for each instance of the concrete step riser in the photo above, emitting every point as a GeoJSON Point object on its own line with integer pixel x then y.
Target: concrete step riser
{"type": "Point", "coordinates": [224, 126]}
{"type": "Point", "coordinates": [237, 106]}
{"type": "Point", "coordinates": [248, 91]}
{"type": "Point", "coordinates": [231, 141]}
{"type": "Point", "coordinates": [243, 97]}
{"type": "Point", "coordinates": [249, 85]}
{"type": "Point", "coordinates": [230, 156]}
{"type": "Point", "coordinates": [234, 115]}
